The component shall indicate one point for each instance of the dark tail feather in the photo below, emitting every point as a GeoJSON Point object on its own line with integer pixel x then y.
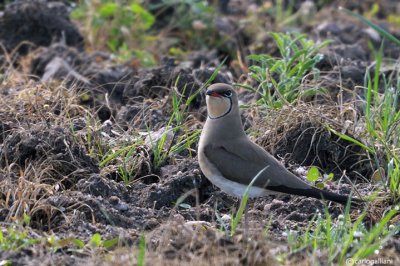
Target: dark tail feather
{"type": "Point", "coordinates": [318, 194]}
{"type": "Point", "coordinates": [342, 199]}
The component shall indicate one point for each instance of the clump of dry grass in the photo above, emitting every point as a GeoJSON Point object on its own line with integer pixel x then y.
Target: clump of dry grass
{"type": "Point", "coordinates": [180, 243]}
{"type": "Point", "coordinates": [342, 118]}
{"type": "Point", "coordinates": [297, 120]}
{"type": "Point", "coordinates": [51, 140]}
{"type": "Point", "coordinates": [303, 134]}
{"type": "Point", "coordinates": [38, 153]}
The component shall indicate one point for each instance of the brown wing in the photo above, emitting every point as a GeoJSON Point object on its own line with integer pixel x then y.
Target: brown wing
{"type": "Point", "coordinates": [241, 160]}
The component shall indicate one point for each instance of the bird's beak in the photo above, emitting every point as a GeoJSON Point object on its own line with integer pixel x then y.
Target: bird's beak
{"type": "Point", "coordinates": [213, 94]}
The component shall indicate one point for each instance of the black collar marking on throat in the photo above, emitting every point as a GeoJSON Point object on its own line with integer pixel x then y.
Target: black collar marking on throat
{"type": "Point", "coordinates": [227, 112]}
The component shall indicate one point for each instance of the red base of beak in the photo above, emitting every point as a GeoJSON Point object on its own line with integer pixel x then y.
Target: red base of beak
{"type": "Point", "coordinates": [214, 94]}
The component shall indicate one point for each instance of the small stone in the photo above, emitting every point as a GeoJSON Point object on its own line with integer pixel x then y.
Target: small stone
{"type": "Point", "coordinates": [226, 218]}
{"type": "Point", "coordinates": [167, 171]}
{"type": "Point", "coordinates": [295, 216]}
{"type": "Point", "coordinates": [267, 207]}
{"type": "Point", "coordinates": [358, 234]}
{"type": "Point", "coordinates": [197, 226]}
{"type": "Point", "coordinates": [121, 207]}
{"type": "Point", "coordinates": [373, 34]}
{"type": "Point", "coordinates": [154, 136]}
{"type": "Point", "coordinates": [114, 200]}
{"type": "Point", "coordinates": [275, 204]}
{"type": "Point", "coordinates": [151, 223]}
{"type": "Point", "coordinates": [179, 218]}
{"type": "Point", "coordinates": [199, 25]}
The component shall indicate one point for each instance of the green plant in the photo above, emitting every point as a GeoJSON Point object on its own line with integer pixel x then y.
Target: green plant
{"type": "Point", "coordinates": [142, 251]}
{"type": "Point", "coordinates": [128, 157]}
{"type": "Point", "coordinates": [160, 151]}
{"type": "Point", "coordinates": [190, 20]}
{"type": "Point", "coordinates": [280, 79]}
{"type": "Point", "coordinates": [16, 238]}
{"type": "Point", "coordinates": [283, 12]}
{"type": "Point", "coordinates": [382, 114]}
{"type": "Point", "coordinates": [94, 244]}
{"type": "Point", "coordinates": [343, 240]}
{"type": "Point", "coordinates": [379, 29]}
{"type": "Point", "coordinates": [374, 10]}
{"type": "Point", "coordinates": [122, 25]}
{"type": "Point", "coordinates": [313, 175]}
{"type": "Point", "coordinates": [243, 203]}
{"type": "Point", "coordinates": [96, 241]}
{"type": "Point", "coordinates": [93, 142]}
{"type": "Point", "coordinates": [176, 124]}
{"type": "Point", "coordinates": [126, 169]}
{"type": "Point", "coordinates": [383, 117]}
{"type": "Point", "coordinates": [352, 140]}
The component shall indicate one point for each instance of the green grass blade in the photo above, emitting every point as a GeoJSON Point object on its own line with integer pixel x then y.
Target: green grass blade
{"type": "Point", "coordinates": [142, 250]}
{"type": "Point", "coordinates": [243, 203]}
{"type": "Point", "coordinates": [213, 76]}
{"type": "Point", "coordinates": [380, 30]}
{"type": "Point", "coordinates": [348, 138]}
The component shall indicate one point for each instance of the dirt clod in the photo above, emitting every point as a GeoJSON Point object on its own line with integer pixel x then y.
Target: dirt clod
{"type": "Point", "coordinates": [39, 23]}
{"type": "Point", "coordinates": [54, 150]}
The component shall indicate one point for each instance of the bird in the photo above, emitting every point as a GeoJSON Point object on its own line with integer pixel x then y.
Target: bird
{"type": "Point", "coordinates": [230, 160]}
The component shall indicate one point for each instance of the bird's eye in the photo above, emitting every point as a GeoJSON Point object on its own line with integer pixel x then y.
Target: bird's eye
{"type": "Point", "coordinates": [227, 93]}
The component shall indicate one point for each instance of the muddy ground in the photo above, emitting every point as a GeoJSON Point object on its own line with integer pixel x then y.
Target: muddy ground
{"type": "Point", "coordinates": [74, 122]}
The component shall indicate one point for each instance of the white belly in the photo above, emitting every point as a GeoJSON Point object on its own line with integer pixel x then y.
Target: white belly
{"type": "Point", "coordinates": [236, 189]}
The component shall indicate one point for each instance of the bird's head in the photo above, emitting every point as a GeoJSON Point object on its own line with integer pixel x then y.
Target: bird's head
{"type": "Point", "coordinates": [221, 100]}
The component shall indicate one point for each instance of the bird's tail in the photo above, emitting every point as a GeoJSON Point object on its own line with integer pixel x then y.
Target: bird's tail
{"type": "Point", "coordinates": [342, 199]}
{"type": "Point", "coordinates": [318, 194]}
